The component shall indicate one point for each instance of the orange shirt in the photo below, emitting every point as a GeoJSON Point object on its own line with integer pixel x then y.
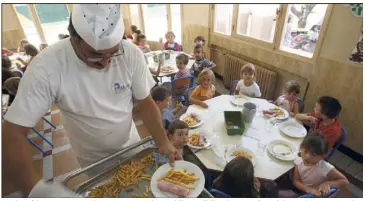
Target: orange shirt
{"type": "Point", "coordinates": [203, 94]}
{"type": "Point", "coordinates": [331, 132]}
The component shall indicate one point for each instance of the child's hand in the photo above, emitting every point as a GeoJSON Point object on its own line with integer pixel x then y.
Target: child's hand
{"type": "Point", "coordinates": [312, 119]}
{"type": "Point", "coordinates": [314, 192]}
{"type": "Point", "coordinates": [179, 105]}
{"type": "Point", "coordinates": [292, 114]}
{"type": "Point", "coordinates": [324, 189]}
{"type": "Point", "coordinates": [203, 104]}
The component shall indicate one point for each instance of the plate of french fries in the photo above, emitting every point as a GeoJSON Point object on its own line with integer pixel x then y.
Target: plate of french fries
{"type": "Point", "coordinates": [193, 120]}
{"type": "Point", "coordinates": [235, 151]}
{"type": "Point", "coordinates": [197, 139]}
{"type": "Point", "coordinates": [167, 69]}
{"type": "Point", "coordinates": [184, 180]}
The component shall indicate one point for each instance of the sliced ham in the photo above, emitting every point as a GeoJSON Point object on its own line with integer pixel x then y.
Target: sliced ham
{"type": "Point", "coordinates": [172, 188]}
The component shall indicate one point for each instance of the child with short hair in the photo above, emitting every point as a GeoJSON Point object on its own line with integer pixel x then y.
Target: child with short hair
{"type": "Point", "coordinates": [247, 85]}
{"type": "Point", "coordinates": [288, 100]}
{"type": "Point", "coordinates": [325, 119]}
{"type": "Point", "coordinates": [181, 61]}
{"type": "Point", "coordinates": [205, 90]}
{"type": "Point", "coordinates": [142, 43]}
{"type": "Point", "coordinates": [178, 134]}
{"type": "Point", "coordinates": [201, 62]}
{"type": "Point", "coordinates": [312, 173]}
{"type": "Point", "coordinates": [238, 181]}
{"type": "Point", "coordinates": [199, 40]}
{"type": "Point", "coordinates": [162, 98]}
{"type": "Point", "coordinates": [170, 44]}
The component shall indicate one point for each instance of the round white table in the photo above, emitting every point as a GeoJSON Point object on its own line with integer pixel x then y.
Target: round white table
{"type": "Point", "coordinates": [260, 130]}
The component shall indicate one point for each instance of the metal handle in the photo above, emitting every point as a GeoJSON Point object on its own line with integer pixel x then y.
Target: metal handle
{"type": "Point", "coordinates": [128, 148]}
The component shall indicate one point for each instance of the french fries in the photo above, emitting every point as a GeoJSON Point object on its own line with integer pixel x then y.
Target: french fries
{"type": "Point", "coordinates": [125, 176]}
{"type": "Point", "coordinates": [194, 139]}
{"type": "Point", "coordinates": [180, 178]}
{"type": "Point", "coordinates": [242, 153]}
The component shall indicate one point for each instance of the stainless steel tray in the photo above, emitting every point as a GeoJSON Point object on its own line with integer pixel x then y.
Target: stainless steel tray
{"type": "Point", "coordinates": [102, 173]}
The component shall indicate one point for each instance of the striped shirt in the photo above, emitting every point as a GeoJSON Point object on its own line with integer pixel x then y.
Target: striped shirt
{"type": "Point", "coordinates": [182, 73]}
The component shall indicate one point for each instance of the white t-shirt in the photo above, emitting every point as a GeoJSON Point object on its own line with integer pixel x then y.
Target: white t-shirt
{"type": "Point", "coordinates": [251, 91]}
{"type": "Point", "coordinates": [96, 105]}
{"type": "Point", "coordinates": [313, 175]}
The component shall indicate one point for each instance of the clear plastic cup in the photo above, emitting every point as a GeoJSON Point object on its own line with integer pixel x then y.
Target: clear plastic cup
{"type": "Point", "coordinates": [261, 147]}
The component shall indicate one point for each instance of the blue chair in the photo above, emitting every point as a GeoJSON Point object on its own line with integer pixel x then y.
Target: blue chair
{"type": "Point", "coordinates": [302, 105]}
{"type": "Point", "coordinates": [233, 86]}
{"type": "Point", "coordinates": [188, 94]}
{"type": "Point", "coordinates": [219, 194]}
{"type": "Point", "coordinates": [339, 142]}
{"type": "Point", "coordinates": [180, 83]}
{"type": "Point", "coordinates": [332, 192]}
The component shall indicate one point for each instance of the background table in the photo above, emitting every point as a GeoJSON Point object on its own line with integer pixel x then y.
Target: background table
{"type": "Point", "coordinates": [170, 62]}
{"type": "Point", "coordinates": [260, 130]}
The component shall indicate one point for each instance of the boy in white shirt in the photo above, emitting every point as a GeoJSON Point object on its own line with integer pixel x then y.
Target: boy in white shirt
{"type": "Point", "coordinates": [247, 85]}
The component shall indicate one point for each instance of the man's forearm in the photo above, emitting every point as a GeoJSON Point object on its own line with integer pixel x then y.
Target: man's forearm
{"type": "Point", "coordinates": [17, 159]}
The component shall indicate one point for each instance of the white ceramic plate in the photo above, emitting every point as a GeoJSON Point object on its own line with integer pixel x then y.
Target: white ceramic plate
{"type": "Point", "coordinates": [293, 129]}
{"type": "Point", "coordinates": [282, 117]}
{"type": "Point", "coordinates": [205, 142]}
{"type": "Point", "coordinates": [183, 165]}
{"type": "Point", "coordinates": [239, 101]}
{"type": "Point", "coordinates": [282, 150]}
{"type": "Point", "coordinates": [166, 71]}
{"type": "Point", "coordinates": [194, 126]}
{"type": "Point", "coordinates": [231, 149]}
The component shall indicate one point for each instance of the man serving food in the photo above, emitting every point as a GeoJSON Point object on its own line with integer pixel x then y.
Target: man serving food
{"type": "Point", "coordinates": [91, 77]}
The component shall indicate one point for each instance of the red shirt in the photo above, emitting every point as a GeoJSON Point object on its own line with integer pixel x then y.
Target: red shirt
{"type": "Point", "coordinates": [331, 132]}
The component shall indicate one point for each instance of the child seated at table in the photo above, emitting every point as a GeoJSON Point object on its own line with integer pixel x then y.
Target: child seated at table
{"type": "Point", "coordinates": [205, 90]}
{"type": "Point", "coordinates": [312, 173]}
{"type": "Point", "coordinates": [325, 119]}
{"type": "Point", "coordinates": [30, 50]}
{"type": "Point", "coordinates": [247, 85]}
{"type": "Point", "coordinates": [288, 100]}
{"type": "Point", "coordinates": [238, 181]}
{"type": "Point", "coordinates": [199, 40]}
{"type": "Point", "coordinates": [178, 134]}
{"type": "Point", "coordinates": [141, 43]}
{"type": "Point", "coordinates": [170, 44]}
{"type": "Point", "coordinates": [162, 98]}
{"type": "Point", "coordinates": [201, 62]}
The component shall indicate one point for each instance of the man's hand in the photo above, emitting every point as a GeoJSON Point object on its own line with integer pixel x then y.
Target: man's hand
{"type": "Point", "coordinates": [169, 150]}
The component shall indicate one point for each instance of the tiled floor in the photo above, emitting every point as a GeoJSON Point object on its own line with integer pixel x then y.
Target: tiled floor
{"type": "Point", "coordinates": [60, 159]}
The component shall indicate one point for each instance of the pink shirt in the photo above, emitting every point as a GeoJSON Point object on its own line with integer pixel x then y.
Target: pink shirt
{"type": "Point", "coordinates": [313, 175]}
{"type": "Point", "coordinates": [182, 73]}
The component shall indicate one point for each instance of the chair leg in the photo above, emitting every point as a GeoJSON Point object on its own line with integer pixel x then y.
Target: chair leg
{"type": "Point", "coordinates": [41, 136]}
{"type": "Point", "coordinates": [36, 145]}
{"type": "Point", "coordinates": [53, 126]}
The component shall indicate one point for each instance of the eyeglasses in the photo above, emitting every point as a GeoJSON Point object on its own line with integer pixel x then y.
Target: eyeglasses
{"type": "Point", "coordinates": [98, 59]}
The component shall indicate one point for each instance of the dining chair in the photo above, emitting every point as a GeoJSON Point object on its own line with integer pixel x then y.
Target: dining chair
{"type": "Point", "coordinates": [233, 86]}
{"type": "Point", "coordinates": [332, 192]}
{"type": "Point", "coordinates": [219, 194]}
{"type": "Point", "coordinates": [179, 87]}
{"type": "Point", "coordinates": [339, 142]}
{"type": "Point", "coordinates": [188, 94]}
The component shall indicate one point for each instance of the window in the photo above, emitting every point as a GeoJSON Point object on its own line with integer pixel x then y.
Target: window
{"type": "Point", "coordinates": [257, 21]}
{"type": "Point", "coordinates": [155, 21]}
{"type": "Point", "coordinates": [26, 21]}
{"type": "Point", "coordinates": [176, 22]}
{"type": "Point", "coordinates": [223, 18]}
{"type": "Point", "coordinates": [302, 27]}
{"type": "Point", "coordinates": [54, 19]}
{"type": "Point", "coordinates": [135, 16]}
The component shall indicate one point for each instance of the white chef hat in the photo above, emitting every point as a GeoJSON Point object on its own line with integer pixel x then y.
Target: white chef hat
{"type": "Point", "coordinates": [99, 25]}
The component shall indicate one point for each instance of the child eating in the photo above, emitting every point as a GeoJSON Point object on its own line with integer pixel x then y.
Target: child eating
{"type": "Point", "coordinates": [201, 62]}
{"type": "Point", "coordinates": [205, 90]}
{"type": "Point", "coordinates": [325, 119]}
{"type": "Point", "coordinates": [238, 181]}
{"type": "Point", "coordinates": [247, 85]}
{"type": "Point", "coordinates": [178, 134]}
{"type": "Point", "coordinates": [170, 44]}
{"type": "Point", "coordinates": [288, 100]}
{"type": "Point", "coordinates": [141, 43]}
{"type": "Point", "coordinates": [312, 173]}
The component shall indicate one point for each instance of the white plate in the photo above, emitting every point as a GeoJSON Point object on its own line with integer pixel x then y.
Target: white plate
{"type": "Point", "coordinates": [184, 165]}
{"type": "Point", "coordinates": [282, 117]}
{"type": "Point", "coordinates": [293, 129]}
{"type": "Point", "coordinates": [231, 149]}
{"type": "Point", "coordinates": [239, 101]}
{"type": "Point", "coordinates": [195, 126]}
{"type": "Point", "coordinates": [278, 147]}
{"type": "Point", "coordinates": [203, 136]}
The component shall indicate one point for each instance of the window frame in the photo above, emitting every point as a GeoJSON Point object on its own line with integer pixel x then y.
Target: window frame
{"type": "Point", "coordinates": [36, 21]}
{"type": "Point", "coordinates": [168, 17]}
{"type": "Point", "coordinates": [275, 45]}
